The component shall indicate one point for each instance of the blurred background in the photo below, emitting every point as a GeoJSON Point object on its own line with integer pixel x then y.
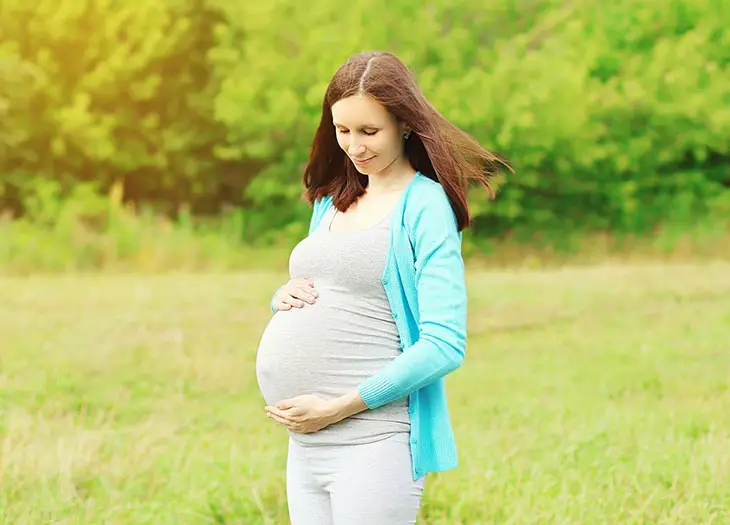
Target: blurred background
{"type": "Point", "coordinates": [128, 127]}
{"type": "Point", "coordinates": [151, 155]}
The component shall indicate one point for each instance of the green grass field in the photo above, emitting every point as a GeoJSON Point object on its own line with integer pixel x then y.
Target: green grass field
{"type": "Point", "coordinates": [589, 396]}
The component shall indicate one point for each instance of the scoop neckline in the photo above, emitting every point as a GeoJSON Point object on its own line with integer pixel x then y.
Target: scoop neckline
{"type": "Point", "coordinates": [399, 202]}
{"type": "Point", "coordinates": [329, 231]}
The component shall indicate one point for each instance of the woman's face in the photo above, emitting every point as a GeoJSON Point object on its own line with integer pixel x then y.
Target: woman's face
{"type": "Point", "coordinates": [368, 133]}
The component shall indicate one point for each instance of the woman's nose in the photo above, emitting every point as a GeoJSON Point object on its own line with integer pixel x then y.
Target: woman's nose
{"type": "Point", "coordinates": [354, 148]}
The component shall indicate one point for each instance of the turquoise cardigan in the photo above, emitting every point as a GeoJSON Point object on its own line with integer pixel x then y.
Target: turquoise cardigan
{"type": "Point", "coordinates": [424, 281]}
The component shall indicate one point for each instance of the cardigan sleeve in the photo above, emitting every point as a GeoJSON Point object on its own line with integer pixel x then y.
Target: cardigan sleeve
{"type": "Point", "coordinates": [441, 291]}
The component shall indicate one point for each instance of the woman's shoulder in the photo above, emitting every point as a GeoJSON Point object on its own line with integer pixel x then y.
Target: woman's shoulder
{"type": "Point", "coordinates": [321, 205]}
{"type": "Point", "coordinates": [319, 208]}
{"type": "Point", "coordinates": [322, 201]}
{"type": "Point", "coordinates": [427, 200]}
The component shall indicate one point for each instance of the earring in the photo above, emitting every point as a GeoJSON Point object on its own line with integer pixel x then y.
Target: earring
{"type": "Point", "coordinates": [406, 135]}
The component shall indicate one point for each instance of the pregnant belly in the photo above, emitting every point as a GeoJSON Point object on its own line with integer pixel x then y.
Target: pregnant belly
{"type": "Point", "coordinates": [322, 350]}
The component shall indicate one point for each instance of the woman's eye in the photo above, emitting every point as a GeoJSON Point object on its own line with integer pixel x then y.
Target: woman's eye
{"type": "Point", "coordinates": [368, 133]}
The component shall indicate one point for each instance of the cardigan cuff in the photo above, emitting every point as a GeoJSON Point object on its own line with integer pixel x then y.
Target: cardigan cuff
{"type": "Point", "coordinates": [271, 303]}
{"type": "Point", "coordinates": [377, 391]}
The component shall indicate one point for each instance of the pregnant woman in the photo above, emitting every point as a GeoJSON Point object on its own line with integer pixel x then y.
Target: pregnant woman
{"type": "Point", "coordinates": [353, 360]}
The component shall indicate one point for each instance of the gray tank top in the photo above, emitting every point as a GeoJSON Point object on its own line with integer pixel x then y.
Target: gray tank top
{"type": "Point", "coordinates": [349, 334]}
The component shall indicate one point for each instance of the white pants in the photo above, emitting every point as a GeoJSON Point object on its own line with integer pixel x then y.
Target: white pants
{"type": "Point", "coordinates": [353, 484]}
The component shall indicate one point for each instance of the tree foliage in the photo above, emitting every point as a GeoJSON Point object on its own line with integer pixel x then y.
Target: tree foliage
{"type": "Point", "coordinates": [615, 115]}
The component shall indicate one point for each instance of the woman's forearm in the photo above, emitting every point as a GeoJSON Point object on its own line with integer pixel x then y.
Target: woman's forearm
{"type": "Point", "coordinates": [347, 405]}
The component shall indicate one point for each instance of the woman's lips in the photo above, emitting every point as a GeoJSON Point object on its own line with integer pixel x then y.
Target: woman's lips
{"type": "Point", "coordinates": [362, 162]}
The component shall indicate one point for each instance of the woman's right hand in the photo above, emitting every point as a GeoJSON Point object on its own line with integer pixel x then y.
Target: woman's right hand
{"type": "Point", "coordinates": [294, 294]}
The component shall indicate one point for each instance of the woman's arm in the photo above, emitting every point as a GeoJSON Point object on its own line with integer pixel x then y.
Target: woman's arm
{"type": "Point", "coordinates": [441, 289]}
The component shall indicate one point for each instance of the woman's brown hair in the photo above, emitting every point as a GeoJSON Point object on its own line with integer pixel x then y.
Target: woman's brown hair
{"type": "Point", "coordinates": [436, 147]}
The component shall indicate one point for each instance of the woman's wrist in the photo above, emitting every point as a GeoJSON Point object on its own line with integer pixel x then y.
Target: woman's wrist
{"type": "Point", "coordinates": [346, 405]}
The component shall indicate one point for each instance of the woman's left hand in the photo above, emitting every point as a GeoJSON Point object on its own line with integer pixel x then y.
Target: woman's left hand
{"type": "Point", "coordinates": [303, 414]}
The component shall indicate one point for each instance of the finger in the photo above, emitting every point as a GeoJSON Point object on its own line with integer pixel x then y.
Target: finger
{"type": "Point", "coordinates": [281, 305]}
{"type": "Point", "coordinates": [293, 414]}
{"type": "Point", "coordinates": [300, 295]}
{"type": "Point", "coordinates": [280, 420]}
{"type": "Point", "coordinates": [285, 404]}
{"type": "Point", "coordinates": [279, 413]}
{"type": "Point", "coordinates": [296, 303]}
{"type": "Point", "coordinates": [305, 295]}
{"type": "Point", "coordinates": [305, 283]}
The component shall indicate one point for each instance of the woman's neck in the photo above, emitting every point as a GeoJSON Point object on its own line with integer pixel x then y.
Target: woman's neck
{"type": "Point", "coordinates": [395, 179]}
